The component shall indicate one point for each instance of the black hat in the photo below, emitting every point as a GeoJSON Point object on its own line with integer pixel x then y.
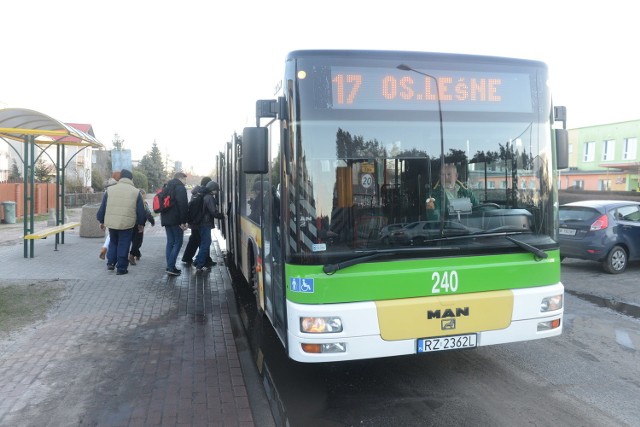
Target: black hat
{"type": "Point", "coordinates": [212, 186]}
{"type": "Point", "coordinates": [126, 173]}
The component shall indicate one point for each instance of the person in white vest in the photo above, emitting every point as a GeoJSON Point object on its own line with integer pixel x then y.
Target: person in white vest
{"type": "Point", "coordinates": [121, 210]}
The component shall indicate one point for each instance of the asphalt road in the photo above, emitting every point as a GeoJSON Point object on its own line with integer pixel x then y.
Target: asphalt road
{"type": "Point", "coordinates": [586, 278]}
{"type": "Point", "coordinates": [585, 377]}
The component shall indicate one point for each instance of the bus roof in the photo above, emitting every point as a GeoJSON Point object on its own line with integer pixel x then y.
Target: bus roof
{"type": "Point", "coordinates": [408, 55]}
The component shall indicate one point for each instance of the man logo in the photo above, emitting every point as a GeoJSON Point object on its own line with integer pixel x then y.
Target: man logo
{"type": "Point", "coordinates": [448, 313]}
{"type": "Point", "coordinates": [448, 324]}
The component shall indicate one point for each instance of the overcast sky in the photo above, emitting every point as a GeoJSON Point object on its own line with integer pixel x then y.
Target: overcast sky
{"type": "Point", "coordinates": [186, 74]}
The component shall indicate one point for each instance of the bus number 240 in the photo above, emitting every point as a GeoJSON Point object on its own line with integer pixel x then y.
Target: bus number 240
{"type": "Point", "coordinates": [446, 281]}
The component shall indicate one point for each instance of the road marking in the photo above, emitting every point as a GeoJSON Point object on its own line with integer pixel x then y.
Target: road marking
{"type": "Point", "coordinates": [623, 338]}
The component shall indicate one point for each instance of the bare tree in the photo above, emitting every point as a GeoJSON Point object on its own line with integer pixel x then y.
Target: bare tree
{"type": "Point", "coordinates": [118, 144]}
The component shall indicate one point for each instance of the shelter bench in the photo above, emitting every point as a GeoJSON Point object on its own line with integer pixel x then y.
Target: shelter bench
{"type": "Point", "coordinates": [43, 234]}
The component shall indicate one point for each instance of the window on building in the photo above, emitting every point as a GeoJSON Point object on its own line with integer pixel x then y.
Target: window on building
{"type": "Point", "coordinates": [589, 151]}
{"type": "Point", "coordinates": [578, 183]}
{"type": "Point", "coordinates": [629, 152]}
{"type": "Point", "coordinates": [503, 184]}
{"type": "Point", "coordinates": [608, 150]}
{"type": "Point", "coordinates": [491, 184]}
{"type": "Point", "coordinates": [604, 184]}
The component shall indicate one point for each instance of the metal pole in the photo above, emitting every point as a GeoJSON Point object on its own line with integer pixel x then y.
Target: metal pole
{"type": "Point", "coordinates": [405, 67]}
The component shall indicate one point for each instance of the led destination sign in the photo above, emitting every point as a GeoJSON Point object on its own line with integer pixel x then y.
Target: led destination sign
{"type": "Point", "coordinates": [390, 89]}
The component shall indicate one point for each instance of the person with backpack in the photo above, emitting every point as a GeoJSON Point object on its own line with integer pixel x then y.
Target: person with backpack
{"type": "Point", "coordinates": [194, 238]}
{"type": "Point", "coordinates": [174, 220]}
{"type": "Point", "coordinates": [209, 212]}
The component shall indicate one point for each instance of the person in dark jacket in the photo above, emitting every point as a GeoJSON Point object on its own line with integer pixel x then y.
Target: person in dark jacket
{"type": "Point", "coordinates": [138, 235]}
{"type": "Point", "coordinates": [174, 220]}
{"type": "Point", "coordinates": [121, 210]}
{"type": "Point", "coordinates": [194, 238]}
{"type": "Point", "coordinates": [211, 212]}
{"type": "Point", "coordinates": [105, 246]}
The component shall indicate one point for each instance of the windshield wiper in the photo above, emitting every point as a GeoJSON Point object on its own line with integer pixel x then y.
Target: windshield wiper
{"type": "Point", "coordinates": [539, 253]}
{"type": "Point", "coordinates": [332, 268]}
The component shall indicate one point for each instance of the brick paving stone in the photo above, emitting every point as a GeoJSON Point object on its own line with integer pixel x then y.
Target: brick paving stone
{"type": "Point", "coordinates": [142, 349]}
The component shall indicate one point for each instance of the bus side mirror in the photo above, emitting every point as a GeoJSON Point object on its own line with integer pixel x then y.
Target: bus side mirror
{"type": "Point", "coordinates": [255, 150]}
{"type": "Point", "coordinates": [560, 115]}
{"type": "Point", "coordinates": [562, 148]}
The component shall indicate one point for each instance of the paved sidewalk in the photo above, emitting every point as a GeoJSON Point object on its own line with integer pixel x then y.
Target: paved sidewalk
{"type": "Point", "coordinates": [138, 349]}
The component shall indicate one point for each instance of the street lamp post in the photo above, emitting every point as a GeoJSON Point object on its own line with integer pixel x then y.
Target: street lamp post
{"type": "Point", "coordinates": [405, 67]}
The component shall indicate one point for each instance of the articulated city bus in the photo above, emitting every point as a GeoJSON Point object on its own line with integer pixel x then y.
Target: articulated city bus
{"type": "Point", "coordinates": [339, 219]}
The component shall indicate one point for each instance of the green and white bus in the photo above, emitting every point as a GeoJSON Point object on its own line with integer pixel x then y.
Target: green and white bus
{"type": "Point", "coordinates": [328, 204]}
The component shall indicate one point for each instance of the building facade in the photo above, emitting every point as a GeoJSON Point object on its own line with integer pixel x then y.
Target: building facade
{"type": "Point", "coordinates": [603, 158]}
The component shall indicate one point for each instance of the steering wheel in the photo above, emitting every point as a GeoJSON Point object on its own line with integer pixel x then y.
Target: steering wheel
{"type": "Point", "coordinates": [486, 207]}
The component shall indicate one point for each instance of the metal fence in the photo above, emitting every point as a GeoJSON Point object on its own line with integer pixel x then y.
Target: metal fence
{"type": "Point", "coordinates": [74, 200]}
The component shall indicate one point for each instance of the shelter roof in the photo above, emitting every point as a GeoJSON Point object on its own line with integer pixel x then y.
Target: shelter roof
{"type": "Point", "coordinates": [632, 167]}
{"type": "Point", "coordinates": [18, 123]}
{"type": "Point", "coordinates": [70, 139]}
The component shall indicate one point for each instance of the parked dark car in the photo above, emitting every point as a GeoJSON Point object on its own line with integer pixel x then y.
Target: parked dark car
{"type": "Point", "coordinates": [606, 231]}
{"type": "Point", "coordinates": [387, 230]}
{"type": "Point", "coordinates": [420, 232]}
{"type": "Point", "coordinates": [405, 234]}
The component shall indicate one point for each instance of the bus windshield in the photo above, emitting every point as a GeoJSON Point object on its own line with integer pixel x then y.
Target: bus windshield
{"type": "Point", "coordinates": [443, 154]}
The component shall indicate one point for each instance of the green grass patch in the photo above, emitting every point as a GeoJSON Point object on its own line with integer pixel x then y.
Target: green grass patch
{"type": "Point", "coordinates": [22, 304]}
{"type": "Point", "coordinates": [40, 217]}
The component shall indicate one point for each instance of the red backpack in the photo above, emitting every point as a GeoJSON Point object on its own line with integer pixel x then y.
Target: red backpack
{"type": "Point", "coordinates": [162, 200]}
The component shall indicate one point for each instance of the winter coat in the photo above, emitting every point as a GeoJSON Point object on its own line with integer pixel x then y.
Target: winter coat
{"type": "Point", "coordinates": [211, 210]}
{"type": "Point", "coordinates": [177, 214]}
{"type": "Point", "coordinates": [122, 206]}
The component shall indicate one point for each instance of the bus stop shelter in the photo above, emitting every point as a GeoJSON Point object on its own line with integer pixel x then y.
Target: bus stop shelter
{"type": "Point", "coordinates": [40, 132]}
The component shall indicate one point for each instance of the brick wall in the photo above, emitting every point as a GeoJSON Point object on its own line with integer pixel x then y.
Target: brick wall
{"type": "Point", "coordinates": [44, 199]}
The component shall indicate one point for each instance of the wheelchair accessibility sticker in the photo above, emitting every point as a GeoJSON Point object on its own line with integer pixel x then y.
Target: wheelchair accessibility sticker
{"type": "Point", "coordinates": [298, 284]}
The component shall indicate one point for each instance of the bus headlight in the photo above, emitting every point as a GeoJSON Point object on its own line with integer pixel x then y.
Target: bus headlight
{"type": "Point", "coordinates": [548, 326]}
{"type": "Point", "coordinates": [551, 303]}
{"type": "Point", "coordinates": [335, 347]}
{"type": "Point", "coordinates": [321, 325]}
